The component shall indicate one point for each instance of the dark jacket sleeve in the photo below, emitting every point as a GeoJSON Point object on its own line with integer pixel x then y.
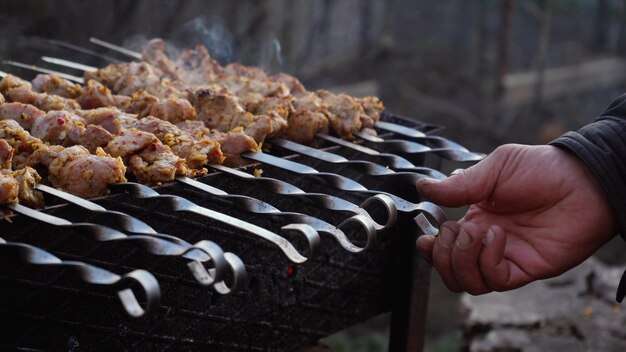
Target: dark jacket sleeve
{"type": "Point", "coordinates": [602, 147]}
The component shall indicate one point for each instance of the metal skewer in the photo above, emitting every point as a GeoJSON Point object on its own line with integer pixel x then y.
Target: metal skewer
{"type": "Point", "coordinates": [135, 226]}
{"type": "Point", "coordinates": [340, 182]}
{"type": "Point", "coordinates": [327, 201]}
{"type": "Point", "coordinates": [451, 151]}
{"type": "Point", "coordinates": [392, 160]}
{"type": "Point", "coordinates": [98, 276]}
{"type": "Point", "coordinates": [86, 51]}
{"type": "Point", "coordinates": [67, 63]}
{"type": "Point", "coordinates": [257, 206]}
{"type": "Point", "coordinates": [44, 70]}
{"type": "Point", "coordinates": [181, 204]}
{"type": "Point", "coordinates": [152, 245]}
{"type": "Point", "coordinates": [367, 167]}
{"type": "Point", "coordinates": [117, 48]}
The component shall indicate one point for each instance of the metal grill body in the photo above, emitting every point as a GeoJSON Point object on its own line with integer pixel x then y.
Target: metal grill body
{"type": "Point", "coordinates": [286, 306]}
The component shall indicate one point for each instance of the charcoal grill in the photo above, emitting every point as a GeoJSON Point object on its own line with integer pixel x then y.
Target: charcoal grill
{"type": "Point", "coordinates": [286, 303]}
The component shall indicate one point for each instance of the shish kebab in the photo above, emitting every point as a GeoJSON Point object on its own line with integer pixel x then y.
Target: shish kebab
{"type": "Point", "coordinates": [61, 124]}
{"type": "Point", "coordinates": [111, 118]}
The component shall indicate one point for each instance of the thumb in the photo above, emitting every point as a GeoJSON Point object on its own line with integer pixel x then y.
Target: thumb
{"type": "Point", "coordinates": [469, 186]}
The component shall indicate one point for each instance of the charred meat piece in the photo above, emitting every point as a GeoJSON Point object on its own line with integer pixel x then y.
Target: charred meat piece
{"type": "Point", "coordinates": [232, 143]}
{"type": "Point", "coordinates": [55, 85]}
{"type": "Point", "coordinates": [141, 103]}
{"type": "Point", "coordinates": [220, 111]}
{"type": "Point", "coordinates": [372, 106]}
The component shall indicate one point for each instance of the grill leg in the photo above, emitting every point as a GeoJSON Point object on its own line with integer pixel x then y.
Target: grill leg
{"type": "Point", "coordinates": [410, 296]}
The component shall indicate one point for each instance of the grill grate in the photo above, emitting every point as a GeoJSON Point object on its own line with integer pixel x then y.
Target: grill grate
{"type": "Point", "coordinates": [285, 306]}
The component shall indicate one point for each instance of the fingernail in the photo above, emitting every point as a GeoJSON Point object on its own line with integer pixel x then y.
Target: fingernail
{"type": "Point", "coordinates": [463, 240]}
{"type": "Point", "coordinates": [490, 236]}
{"type": "Point", "coordinates": [446, 237]}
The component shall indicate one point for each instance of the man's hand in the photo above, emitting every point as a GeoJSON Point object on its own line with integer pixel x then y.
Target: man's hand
{"type": "Point", "coordinates": [536, 211]}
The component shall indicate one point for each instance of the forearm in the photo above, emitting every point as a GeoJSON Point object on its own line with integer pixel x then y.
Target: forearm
{"type": "Point", "coordinates": [602, 147]}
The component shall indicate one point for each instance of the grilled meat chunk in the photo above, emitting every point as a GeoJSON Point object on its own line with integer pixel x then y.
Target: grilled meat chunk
{"type": "Point", "coordinates": [55, 85]}
{"type": "Point", "coordinates": [345, 114]}
{"type": "Point", "coordinates": [111, 119]}
{"type": "Point", "coordinates": [154, 53]}
{"type": "Point", "coordinates": [303, 125]}
{"type": "Point", "coordinates": [27, 178]}
{"type": "Point", "coordinates": [173, 110]}
{"type": "Point", "coordinates": [95, 95]}
{"type": "Point", "coordinates": [24, 114]}
{"type": "Point", "coordinates": [10, 81]}
{"type": "Point", "coordinates": [20, 140]}
{"type": "Point", "coordinates": [42, 101]}
{"type": "Point", "coordinates": [6, 154]}
{"type": "Point", "coordinates": [147, 158]}
{"type": "Point", "coordinates": [79, 172]}
{"type": "Point", "coordinates": [196, 151]}
{"type": "Point", "coordinates": [9, 187]}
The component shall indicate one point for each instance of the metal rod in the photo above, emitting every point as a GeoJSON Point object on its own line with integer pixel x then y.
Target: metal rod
{"type": "Point", "coordinates": [70, 64]}
{"type": "Point", "coordinates": [98, 276]}
{"type": "Point", "coordinates": [117, 48]}
{"type": "Point", "coordinates": [44, 70]}
{"type": "Point", "coordinates": [84, 51]}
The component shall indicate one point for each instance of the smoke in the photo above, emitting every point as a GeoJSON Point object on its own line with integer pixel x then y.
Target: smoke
{"type": "Point", "coordinates": [213, 34]}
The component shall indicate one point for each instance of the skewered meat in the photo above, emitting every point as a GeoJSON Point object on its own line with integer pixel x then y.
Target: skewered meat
{"type": "Point", "coordinates": [9, 187]}
{"type": "Point", "coordinates": [196, 151]}
{"type": "Point", "coordinates": [26, 179]}
{"type": "Point", "coordinates": [24, 114]}
{"type": "Point", "coordinates": [55, 85]}
{"type": "Point", "coordinates": [21, 141]}
{"type": "Point", "coordinates": [154, 53]}
{"type": "Point", "coordinates": [79, 172]}
{"type": "Point", "coordinates": [147, 158]}
{"type": "Point", "coordinates": [95, 95]}
{"type": "Point", "coordinates": [6, 154]}
{"type": "Point", "coordinates": [10, 81]}
{"type": "Point", "coordinates": [43, 101]}
{"type": "Point", "coordinates": [111, 119]}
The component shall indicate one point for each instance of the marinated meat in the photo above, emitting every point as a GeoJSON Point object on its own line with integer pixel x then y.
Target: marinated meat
{"type": "Point", "coordinates": [55, 85]}
{"type": "Point", "coordinates": [42, 101]}
{"type": "Point", "coordinates": [6, 154]}
{"type": "Point", "coordinates": [196, 151]}
{"type": "Point", "coordinates": [86, 175]}
{"type": "Point", "coordinates": [9, 187]}
{"type": "Point", "coordinates": [147, 158]}
{"type": "Point", "coordinates": [24, 114]}
{"type": "Point", "coordinates": [27, 178]}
